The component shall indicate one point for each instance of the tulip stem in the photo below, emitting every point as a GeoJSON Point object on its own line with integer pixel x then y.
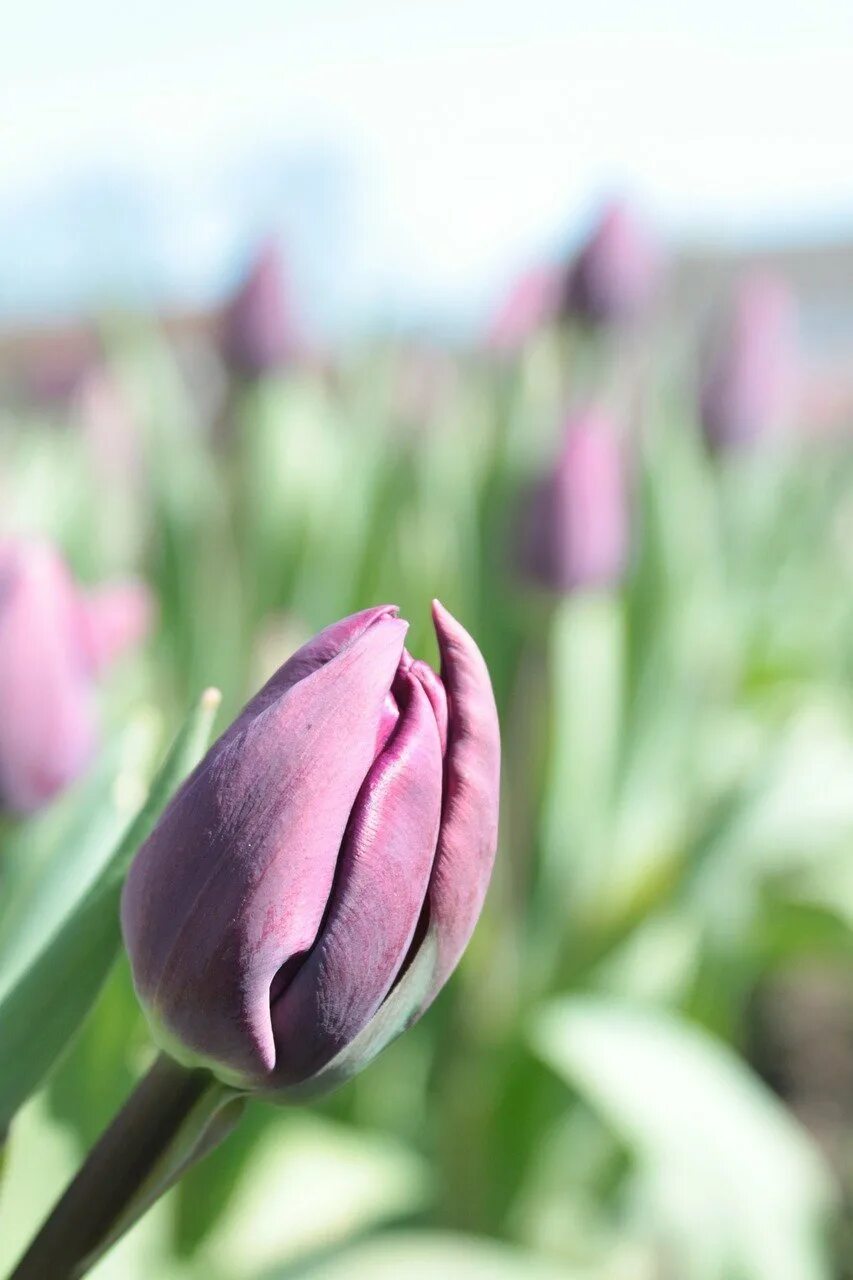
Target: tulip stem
{"type": "Point", "coordinates": [173, 1116]}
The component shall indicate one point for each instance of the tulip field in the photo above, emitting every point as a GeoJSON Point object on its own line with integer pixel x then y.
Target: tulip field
{"type": "Point", "coordinates": [634, 693]}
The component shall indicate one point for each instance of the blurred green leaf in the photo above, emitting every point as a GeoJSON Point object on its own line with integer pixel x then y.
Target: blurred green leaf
{"type": "Point", "coordinates": [311, 1184]}
{"type": "Point", "coordinates": [41, 1160]}
{"type": "Point", "coordinates": [428, 1256]}
{"type": "Point", "coordinates": [103, 1062]}
{"type": "Point", "coordinates": [586, 715]}
{"type": "Point", "coordinates": [46, 1005]}
{"type": "Point", "coordinates": [726, 1177]}
{"type": "Point", "coordinates": [792, 821]}
{"type": "Point", "coordinates": [51, 861]}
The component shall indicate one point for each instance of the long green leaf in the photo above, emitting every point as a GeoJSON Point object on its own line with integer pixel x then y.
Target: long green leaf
{"type": "Point", "coordinates": [725, 1175]}
{"type": "Point", "coordinates": [40, 1014]}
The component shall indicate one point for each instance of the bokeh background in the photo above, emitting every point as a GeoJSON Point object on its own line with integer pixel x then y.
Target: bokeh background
{"type": "Point", "coordinates": [546, 310]}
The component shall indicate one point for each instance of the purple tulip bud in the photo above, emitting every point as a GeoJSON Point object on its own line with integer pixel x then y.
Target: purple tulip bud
{"type": "Point", "coordinates": [257, 333]}
{"type": "Point", "coordinates": [532, 303]}
{"type": "Point", "coordinates": [574, 531]}
{"type": "Point", "coordinates": [348, 813]}
{"type": "Point", "coordinates": [750, 380]}
{"type": "Point", "coordinates": [53, 640]}
{"type": "Point", "coordinates": [617, 272]}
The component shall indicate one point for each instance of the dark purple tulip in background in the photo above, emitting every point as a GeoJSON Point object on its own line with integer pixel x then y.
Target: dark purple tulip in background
{"type": "Point", "coordinates": [257, 336]}
{"type": "Point", "coordinates": [54, 640]}
{"type": "Point", "coordinates": [751, 373]}
{"type": "Point", "coordinates": [617, 272]}
{"type": "Point", "coordinates": [575, 523]}
{"type": "Point", "coordinates": [290, 882]}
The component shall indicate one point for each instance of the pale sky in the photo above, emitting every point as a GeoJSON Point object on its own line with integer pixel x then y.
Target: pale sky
{"type": "Point", "coordinates": [445, 141]}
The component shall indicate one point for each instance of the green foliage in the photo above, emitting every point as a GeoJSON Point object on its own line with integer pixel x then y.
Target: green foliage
{"type": "Point", "coordinates": [47, 1002]}
{"type": "Point", "coordinates": [732, 1185]}
{"type": "Point", "coordinates": [676, 831]}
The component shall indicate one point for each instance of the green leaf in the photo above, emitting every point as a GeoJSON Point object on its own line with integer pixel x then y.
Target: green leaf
{"type": "Point", "coordinates": [587, 657]}
{"type": "Point", "coordinates": [726, 1177]}
{"type": "Point", "coordinates": [41, 1161]}
{"type": "Point", "coordinates": [46, 1005]}
{"type": "Point", "coordinates": [426, 1256]}
{"type": "Point", "coordinates": [311, 1184]}
{"type": "Point", "coordinates": [51, 861]}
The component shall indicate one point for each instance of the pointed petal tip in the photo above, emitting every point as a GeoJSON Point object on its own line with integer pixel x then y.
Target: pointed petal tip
{"type": "Point", "coordinates": [441, 616]}
{"type": "Point", "coordinates": [450, 632]}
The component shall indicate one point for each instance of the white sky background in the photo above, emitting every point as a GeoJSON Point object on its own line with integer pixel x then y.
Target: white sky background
{"type": "Point", "coordinates": [471, 135]}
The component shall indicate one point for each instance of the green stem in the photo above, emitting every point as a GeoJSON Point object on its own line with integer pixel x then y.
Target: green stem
{"type": "Point", "coordinates": [172, 1118]}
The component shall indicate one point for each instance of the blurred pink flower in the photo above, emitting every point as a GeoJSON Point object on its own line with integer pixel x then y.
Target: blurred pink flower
{"type": "Point", "coordinates": [257, 335]}
{"type": "Point", "coordinates": [618, 270]}
{"type": "Point", "coordinates": [532, 302]}
{"type": "Point", "coordinates": [113, 619]}
{"type": "Point", "coordinates": [425, 379]}
{"type": "Point", "coordinates": [55, 367]}
{"type": "Point", "coordinates": [109, 427]}
{"type": "Point", "coordinates": [54, 639]}
{"type": "Point", "coordinates": [751, 376]}
{"type": "Point", "coordinates": [575, 525]}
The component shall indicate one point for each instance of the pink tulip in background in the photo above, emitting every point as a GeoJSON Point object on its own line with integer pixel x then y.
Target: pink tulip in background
{"type": "Point", "coordinates": [55, 638]}
{"type": "Point", "coordinates": [751, 377]}
{"type": "Point", "coordinates": [575, 524]}
{"type": "Point", "coordinates": [532, 303]}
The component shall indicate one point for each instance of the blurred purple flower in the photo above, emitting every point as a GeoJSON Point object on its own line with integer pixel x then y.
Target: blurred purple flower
{"type": "Point", "coordinates": [532, 303]}
{"type": "Point", "coordinates": [575, 523]}
{"type": "Point", "coordinates": [751, 374]}
{"type": "Point", "coordinates": [290, 882]}
{"type": "Point", "coordinates": [56, 362]}
{"type": "Point", "coordinates": [617, 272]}
{"type": "Point", "coordinates": [54, 639]}
{"type": "Point", "coordinates": [257, 334]}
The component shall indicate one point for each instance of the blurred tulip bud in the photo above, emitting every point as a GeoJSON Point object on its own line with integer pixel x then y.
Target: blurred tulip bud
{"type": "Point", "coordinates": [53, 641]}
{"type": "Point", "coordinates": [532, 303]}
{"type": "Point", "coordinates": [751, 376]}
{"type": "Point", "coordinates": [59, 365]}
{"type": "Point", "coordinates": [617, 272]}
{"type": "Point", "coordinates": [424, 383]}
{"type": "Point", "coordinates": [113, 619]}
{"type": "Point", "coordinates": [346, 817]}
{"type": "Point", "coordinates": [257, 335]}
{"type": "Point", "coordinates": [110, 430]}
{"type": "Point", "coordinates": [574, 530]}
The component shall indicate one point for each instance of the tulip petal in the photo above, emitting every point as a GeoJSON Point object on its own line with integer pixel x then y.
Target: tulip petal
{"type": "Point", "coordinates": [319, 650]}
{"type": "Point", "coordinates": [468, 836]}
{"type": "Point", "coordinates": [437, 694]}
{"type": "Point", "coordinates": [209, 922]}
{"type": "Point", "coordinates": [383, 874]}
{"type": "Point", "coordinates": [395, 1015]}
